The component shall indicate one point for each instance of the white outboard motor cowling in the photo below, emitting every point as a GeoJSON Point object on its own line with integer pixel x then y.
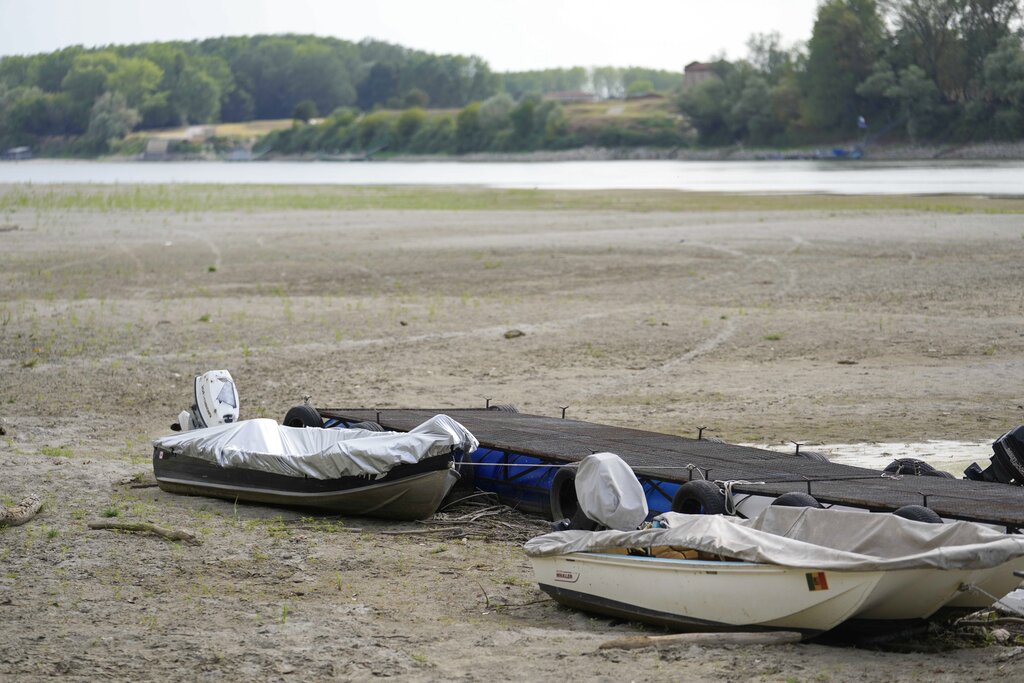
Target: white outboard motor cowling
{"type": "Point", "coordinates": [609, 492]}
{"type": "Point", "coordinates": [216, 402]}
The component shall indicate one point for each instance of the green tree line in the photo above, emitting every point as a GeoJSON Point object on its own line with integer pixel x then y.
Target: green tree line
{"type": "Point", "coordinates": [919, 70]}
{"type": "Point", "coordinates": [79, 100]}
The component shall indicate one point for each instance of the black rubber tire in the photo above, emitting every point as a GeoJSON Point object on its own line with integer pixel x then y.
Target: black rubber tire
{"type": "Point", "coordinates": [302, 416]}
{"type": "Point", "coordinates": [699, 497]}
{"type": "Point", "coordinates": [796, 499]}
{"type": "Point", "coordinates": [581, 522]}
{"type": "Point", "coordinates": [813, 456]}
{"type": "Point", "coordinates": [918, 513]}
{"type": "Point", "coordinates": [503, 408]}
{"type": "Point", "coordinates": [914, 467]}
{"type": "Point", "coordinates": [368, 425]}
{"type": "Point", "coordinates": [563, 494]}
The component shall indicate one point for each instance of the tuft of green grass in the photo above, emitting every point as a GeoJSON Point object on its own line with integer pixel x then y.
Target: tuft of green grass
{"type": "Point", "coordinates": [774, 336]}
{"type": "Point", "coordinates": [204, 318]}
{"type": "Point", "coordinates": [191, 199]}
{"type": "Point", "coordinates": [56, 451]}
{"type": "Point", "coordinates": [111, 512]}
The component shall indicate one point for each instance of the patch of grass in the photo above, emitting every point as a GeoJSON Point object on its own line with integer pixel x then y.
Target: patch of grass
{"type": "Point", "coordinates": [31, 362]}
{"type": "Point", "coordinates": [56, 451]}
{"type": "Point", "coordinates": [191, 199]}
{"type": "Point", "coordinates": [774, 336]}
{"type": "Point", "coordinates": [111, 512]}
{"type": "Point", "coordinates": [204, 318]}
{"type": "Point", "coordinates": [516, 581]}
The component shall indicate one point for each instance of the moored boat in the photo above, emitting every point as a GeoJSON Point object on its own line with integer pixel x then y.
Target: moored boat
{"type": "Point", "coordinates": [350, 471]}
{"type": "Point", "coordinates": [790, 568]}
{"type": "Point", "coordinates": [769, 573]}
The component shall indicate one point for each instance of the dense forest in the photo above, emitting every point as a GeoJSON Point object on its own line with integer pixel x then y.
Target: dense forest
{"type": "Point", "coordinates": [915, 70]}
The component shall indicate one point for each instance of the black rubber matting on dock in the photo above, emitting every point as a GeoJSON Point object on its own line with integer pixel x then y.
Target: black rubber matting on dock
{"type": "Point", "coordinates": [668, 457]}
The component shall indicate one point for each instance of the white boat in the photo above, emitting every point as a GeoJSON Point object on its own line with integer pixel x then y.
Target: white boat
{"type": "Point", "coordinates": [803, 569]}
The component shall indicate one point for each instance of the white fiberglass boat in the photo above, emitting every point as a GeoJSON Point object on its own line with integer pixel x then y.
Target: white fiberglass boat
{"type": "Point", "coordinates": [803, 569]}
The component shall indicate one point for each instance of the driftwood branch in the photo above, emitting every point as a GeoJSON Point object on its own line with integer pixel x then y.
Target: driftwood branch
{"type": "Point", "coordinates": [990, 622]}
{"type": "Point", "coordinates": [704, 639]}
{"type": "Point", "coordinates": [149, 528]}
{"type": "Point", "coordinates": [22, 512]}
{"type": "Point", "coordinates": [453, 532]}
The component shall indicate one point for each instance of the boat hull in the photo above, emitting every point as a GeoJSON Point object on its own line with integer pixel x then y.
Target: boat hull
{"type": "Point", "coordinates": [406, 492]}
{"type": "Point", "coordinates": [696, 595]}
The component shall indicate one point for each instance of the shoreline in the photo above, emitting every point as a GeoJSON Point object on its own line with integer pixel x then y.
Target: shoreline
{"type": "Point", "coordinates": [982, 152]}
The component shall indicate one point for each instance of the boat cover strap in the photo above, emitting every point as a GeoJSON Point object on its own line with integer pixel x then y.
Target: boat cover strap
{"type": "Point", "coordinates": [808, 537]}
{"type": "Point", "coordinates": [264, 445]}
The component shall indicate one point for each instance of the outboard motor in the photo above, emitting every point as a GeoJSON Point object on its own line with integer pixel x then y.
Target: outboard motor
{"type": "Point", "coordinates": [609, 492]}
{"type": "Point", "coordinates": [216, 402]}
{"type": "Point", "coordinates": [1007, 462]}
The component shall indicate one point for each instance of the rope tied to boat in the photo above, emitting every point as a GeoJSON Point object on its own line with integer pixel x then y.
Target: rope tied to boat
{"type": "Point", "coordinates": [726, 486]}
{"type": "Point", "coordinates": [965, 587]}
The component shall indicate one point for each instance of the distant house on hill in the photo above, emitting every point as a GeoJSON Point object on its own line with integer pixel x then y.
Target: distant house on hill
{"type": "Point", "coordinates": [696, 73]}
{"type": "Point", "coordinates": [156, 149]}
{"type": "Point", "coordinates": [16, 154]}
{"type": "Point", "coordinates": [570, 96]}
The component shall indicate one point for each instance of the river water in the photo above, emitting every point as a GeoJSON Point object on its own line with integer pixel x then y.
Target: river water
{"type": "Point", "coordinates": [793, 177]}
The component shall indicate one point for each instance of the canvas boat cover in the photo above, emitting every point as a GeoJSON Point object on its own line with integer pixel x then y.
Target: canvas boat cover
{"type": "Point", "coordinates": [808, 537]}
{"type": "Point", "coordinates": [264, 445]}
{"type": "Point", "coordinates": [608, 492]}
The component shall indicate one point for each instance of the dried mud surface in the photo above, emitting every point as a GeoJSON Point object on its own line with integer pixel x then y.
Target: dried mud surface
{"type": "Point", "coordinates": [811, 326]}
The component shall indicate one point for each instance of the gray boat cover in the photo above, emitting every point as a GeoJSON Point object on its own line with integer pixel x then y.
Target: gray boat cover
{"type": "Point", "coordinates": [608, 492]}
{"type": "Point", "coordinates": [808, 537]}
{"type": "Point", "coordinates": [266, 446]}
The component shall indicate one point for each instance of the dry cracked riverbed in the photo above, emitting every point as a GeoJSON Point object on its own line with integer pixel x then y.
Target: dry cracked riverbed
{"type": "Point", "coordinates": [836, 326]}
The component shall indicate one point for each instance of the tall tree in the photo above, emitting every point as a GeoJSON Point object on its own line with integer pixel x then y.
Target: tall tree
{"type": "Point", "coordinates": [110, 119]}
{"type": "Point", "coordinates": [847, 39]}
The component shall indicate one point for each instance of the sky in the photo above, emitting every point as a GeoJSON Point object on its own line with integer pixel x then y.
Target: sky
{"type": "Point", "coordinates": [517, 35]}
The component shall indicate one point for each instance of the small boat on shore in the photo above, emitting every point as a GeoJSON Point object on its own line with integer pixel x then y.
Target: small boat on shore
{"type": "Point", "coordinates": [805, 569]}
{"type": "Point", "coordinates": [802, 569]}
{"type": "Point", "coordinates": [350, 471]}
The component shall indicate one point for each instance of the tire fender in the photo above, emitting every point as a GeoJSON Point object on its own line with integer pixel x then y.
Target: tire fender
{"type": "Point", "coordinates": [797, 499]}
{"type": "Point", "coordinates": [302, 416]}
{"type": "Point", "coordinates": [699, 497]}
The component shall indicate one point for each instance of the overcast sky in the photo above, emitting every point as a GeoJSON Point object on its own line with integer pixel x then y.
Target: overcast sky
{"type": "Point", "coordinates": [511, 36]}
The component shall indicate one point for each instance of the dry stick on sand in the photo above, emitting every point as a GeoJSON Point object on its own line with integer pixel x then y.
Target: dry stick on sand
{"type": "Point", "coordinates": [22, 512]}
{"type": "Point", "coordinates": [706, 639]}
{"type": "Point", "coordinates": [149, 528]}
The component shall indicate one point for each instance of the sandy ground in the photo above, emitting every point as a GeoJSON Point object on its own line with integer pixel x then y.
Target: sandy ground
{"type": "Point", "coordinates": [810, 326]}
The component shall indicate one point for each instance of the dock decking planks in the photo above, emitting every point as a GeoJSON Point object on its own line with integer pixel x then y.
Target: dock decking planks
{"type": "Point", "coordinates": [666, 457]}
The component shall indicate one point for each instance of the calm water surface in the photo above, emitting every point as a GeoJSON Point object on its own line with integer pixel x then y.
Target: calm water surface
{"type": "Point", "coordinates": [837, 177]}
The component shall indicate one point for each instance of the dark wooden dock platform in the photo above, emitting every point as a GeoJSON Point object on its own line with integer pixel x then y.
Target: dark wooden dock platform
{"type": "Point", "coordinates": [671, 458]}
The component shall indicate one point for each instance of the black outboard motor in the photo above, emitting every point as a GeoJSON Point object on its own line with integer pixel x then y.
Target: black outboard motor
{"type": "Point", "coordinates": [1007, 463]}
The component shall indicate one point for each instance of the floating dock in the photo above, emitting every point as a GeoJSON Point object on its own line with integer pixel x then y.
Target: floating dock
{"type": "Point", "coordinates": [660, 459]}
